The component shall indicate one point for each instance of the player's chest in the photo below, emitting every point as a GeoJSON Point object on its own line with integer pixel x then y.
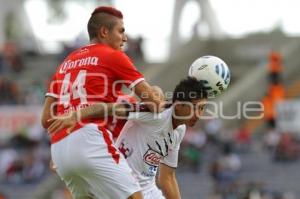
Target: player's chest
{"type": "Point", "coordinates": [155, 148]}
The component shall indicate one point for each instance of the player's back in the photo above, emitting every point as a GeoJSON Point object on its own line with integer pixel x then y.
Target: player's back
{"type": "Point", "coordinates": [93, 73]}
{"type": "Point", "coordinates": [84, 77]}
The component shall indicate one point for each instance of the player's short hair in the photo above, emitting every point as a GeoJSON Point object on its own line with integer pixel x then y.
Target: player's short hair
{"type": "Point", "coordinates": [189, 89]}
{"type": "Point", "coordinates": [102, 16]}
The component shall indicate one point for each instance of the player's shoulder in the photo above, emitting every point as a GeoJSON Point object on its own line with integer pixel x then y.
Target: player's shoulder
{"type": "Point", "coordinates": [180, 130]}
{"type": "Point", "coordinates": [179, 133]}
{"type": "Point", "coordinates": [143, 116]}
{"type": "Point", "coordinates": [118, 55]}
{"type": "Point", "coordinates": [177, 136]}
{"type": "Point", "coordinates": [148, 117]}
{"type": "Point", "coordinates": [111, 56]}
{"type": "Point", "coordinates": [105, 49]}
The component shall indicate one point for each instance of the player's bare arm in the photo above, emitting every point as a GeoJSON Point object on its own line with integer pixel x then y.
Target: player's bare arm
{"type": "Point", "coordinates": [168, 182]}
{"type": "Point", "coordinates": [152, 96]}
{"type": "Point", "coordinates": [48, 111]}
{"type": "Point", "coordinates": [98, 110]}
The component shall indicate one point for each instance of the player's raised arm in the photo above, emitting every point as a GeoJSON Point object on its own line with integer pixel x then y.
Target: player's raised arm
{"type": "Point", "coordinates": [152, 96]}
{"type": "Point", "coordinates": [124, 69]}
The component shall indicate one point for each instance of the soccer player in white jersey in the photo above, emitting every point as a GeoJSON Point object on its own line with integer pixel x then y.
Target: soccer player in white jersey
{"type": "Point", "coordinates": [151, 141]}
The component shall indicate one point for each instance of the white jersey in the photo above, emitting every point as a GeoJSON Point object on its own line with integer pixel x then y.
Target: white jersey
{"type": "Point", "coordinates": [148, 139]}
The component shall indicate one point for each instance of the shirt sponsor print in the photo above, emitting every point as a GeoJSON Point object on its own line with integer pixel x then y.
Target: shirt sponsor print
{"type": "Point", "coordinates": [152, 157]}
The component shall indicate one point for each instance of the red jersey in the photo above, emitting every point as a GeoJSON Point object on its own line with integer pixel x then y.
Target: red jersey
{"type": "Point", "coordinates": [117, 124]}
{"type": "Point", "coordinates": [91, 74]}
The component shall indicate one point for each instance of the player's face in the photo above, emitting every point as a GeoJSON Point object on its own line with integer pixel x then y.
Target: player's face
{"type": "Point", "coordinates": [190, 112]}
{"type": "Point", "coordinates": [117, 37]}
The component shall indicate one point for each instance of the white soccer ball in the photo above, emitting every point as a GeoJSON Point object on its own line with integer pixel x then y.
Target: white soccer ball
{"type": "Point", "coordinates": [213, 72]}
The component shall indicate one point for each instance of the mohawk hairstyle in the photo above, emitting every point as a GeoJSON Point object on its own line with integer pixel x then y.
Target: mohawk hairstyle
{"type": "Point", "coordinates": [102, 16]}
{"type": "Point", "coordinates": [108, 10]}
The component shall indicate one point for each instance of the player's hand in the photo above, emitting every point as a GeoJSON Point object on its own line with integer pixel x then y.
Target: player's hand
{"type": "Point", "coordinates": [160, 98]}
{"type": "Point", "coordinates": [162, 106]}
{"type": "Point", "coordinates": [52, 166]}
{"type": "Point", "coordinates": [61, 122]}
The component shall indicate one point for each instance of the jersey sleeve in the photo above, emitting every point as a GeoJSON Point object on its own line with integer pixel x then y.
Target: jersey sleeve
{"type": "Point", "coordinates": [144, 117]}
{"type": "Point", "coordinates": [171, 159]}
{"type": "Point", "coordinates": [52, 90]}
{"type": "Point", "coordinates": [125, 70]}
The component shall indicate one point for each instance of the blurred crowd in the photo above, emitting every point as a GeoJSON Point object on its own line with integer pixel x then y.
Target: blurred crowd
{"type": "Point", "coordinates": [11, 59]}
{"type": "Point", "coordinates": [134, 49]}
{"type": "Point", "coordinates": [24, 155]}
{"type": "Point", "coordinates": [13, 91]}
{"type": "Point", "coordinates": [282, 146]}
{"type": "Point", "coordinates": [24, 158]}
{"type": "Point", "coordinates": [209, 148]}
{"type": "Point", "coordinates": [25, 152]}
{"type": "Point", "coordinates": [10, 64]}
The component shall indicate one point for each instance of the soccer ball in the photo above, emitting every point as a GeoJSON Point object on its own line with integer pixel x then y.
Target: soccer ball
{"type": "Point", "coordinates": [213, 72]}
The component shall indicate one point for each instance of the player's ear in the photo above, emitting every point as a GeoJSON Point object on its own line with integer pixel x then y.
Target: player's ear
{"type": "Point", "coordinates": [103, 32]}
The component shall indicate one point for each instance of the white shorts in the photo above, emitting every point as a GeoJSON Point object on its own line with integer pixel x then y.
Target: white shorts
{"type": "Point", "coordinates": [84, 161]}
{"type": "Point", "coordinates": [153, 193]}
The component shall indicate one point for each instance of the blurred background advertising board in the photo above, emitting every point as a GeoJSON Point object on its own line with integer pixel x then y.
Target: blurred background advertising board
{"type": "Point", "coordinates": [18, 119]}
{"type": "Point", "coordinates": [288, 119]}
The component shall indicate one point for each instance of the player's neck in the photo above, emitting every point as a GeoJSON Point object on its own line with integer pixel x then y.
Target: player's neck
{"type": "Point", "coordinates": [96, 41]}
{"type": "Point", "coordinates": [175, 121]}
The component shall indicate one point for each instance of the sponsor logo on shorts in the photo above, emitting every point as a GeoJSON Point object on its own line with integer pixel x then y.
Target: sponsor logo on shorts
{"type": "Point", "coordinates": [151, 171]}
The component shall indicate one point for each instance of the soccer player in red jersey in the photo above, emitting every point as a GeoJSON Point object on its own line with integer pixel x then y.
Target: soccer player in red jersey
{"type": "Point", "coordinates": [87, 160]}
